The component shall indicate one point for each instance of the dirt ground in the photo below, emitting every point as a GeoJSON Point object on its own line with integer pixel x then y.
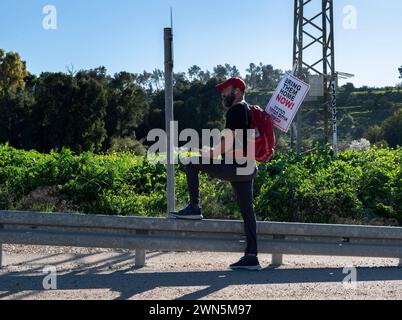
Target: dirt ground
{"type": "Point", "coordinates": [110, 274]}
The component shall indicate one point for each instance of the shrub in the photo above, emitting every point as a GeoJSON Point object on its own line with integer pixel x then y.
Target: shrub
{"type": "Point", "coordinates": [360, 145]}
{"type": "Point", "coordinates": [360, 187]}
{"type": "Point", "coordinates": [127, 144]}
{"type": "Point", "coordinates": [392, 128]}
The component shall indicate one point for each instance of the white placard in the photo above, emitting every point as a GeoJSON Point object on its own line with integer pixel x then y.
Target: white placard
{"type": "Point", "coordinates": [286, 101]}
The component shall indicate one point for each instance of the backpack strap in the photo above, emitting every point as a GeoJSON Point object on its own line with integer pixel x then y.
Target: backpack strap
{"type": "Point", "coordinates": [247, 111]}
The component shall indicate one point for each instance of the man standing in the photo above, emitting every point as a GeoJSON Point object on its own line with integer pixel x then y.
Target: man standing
{"type": "Point", "coordinates": [237, 118]}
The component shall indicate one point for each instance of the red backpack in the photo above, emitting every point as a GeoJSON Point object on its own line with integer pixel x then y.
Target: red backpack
{"type": "Point", "coordinates": [264, 140]}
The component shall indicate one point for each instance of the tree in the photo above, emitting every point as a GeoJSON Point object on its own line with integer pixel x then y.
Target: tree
{"type": "Point", "coordinates": [180, 79]}
{"type": "Point", "coordinates": [12, 72]}
{"type": "Point", "coordinates": [69, 111]}
{"type": "Point", "coordinates": [197, 105]}
{"type": "Point", "coordinates": [15, 119]}
{"type": "Point", "coordinates": [99, 74]}
{"type": "Point", "coordinates": [270, 77]}
{"type": "Point", "coordinates": [226, 71]}
{"type": "Point", "coordinates": [348, 88]}
{"type": "Point", "coordinates": [263, 76]}
{"type": "Point", "coordinates": [345, 93]}
{"type": "Point", "coordinates": [232, 70]}
{"type": "Point", "coordinates": [157, 79]}
{"type": "Point", "coordinates": [194, 73]}
{"type": "Point", "coordinates": [253, 76]}
{"type": "Point", "coordinates": [144, 80]}
{"type": "Point", "coordinates": [392, 128]}
{"type": "Point", "coordinates": [126, 107]}
{"type": "Point", "coordinates": [374, 134]}
{"type": "Point", "coordinates": [400, 77]}
{"type": "Point", "coordinates": [155, 117]}
{"type": "Point", "coordinates": [205, 76]}
{"type": "Point", "coordinates": [220, 72]}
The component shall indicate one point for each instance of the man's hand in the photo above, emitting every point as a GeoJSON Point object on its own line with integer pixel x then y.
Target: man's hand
{"type": "Point", "coordinates": [225, 145]}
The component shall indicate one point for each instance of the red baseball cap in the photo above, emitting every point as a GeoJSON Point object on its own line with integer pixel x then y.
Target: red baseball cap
{"type": "Point", "coordinates": [235, 82]}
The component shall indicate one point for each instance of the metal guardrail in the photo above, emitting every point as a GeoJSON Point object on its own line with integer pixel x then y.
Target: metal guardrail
{"type": "Point", "coordinates": [141, 234]}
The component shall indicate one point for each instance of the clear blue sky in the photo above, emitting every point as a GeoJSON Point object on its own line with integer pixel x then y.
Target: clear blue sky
{"type": "Point", "coordinates": [128, 35]}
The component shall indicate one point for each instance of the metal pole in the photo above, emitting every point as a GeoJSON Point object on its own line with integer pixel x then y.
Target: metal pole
{"type": "Point", "coordinates": [334, 117]}
{"type": "Point", "coordinates": [325, 68]}
{"type": "Point", "coordinates": [334, 80]}
{"type": "Point", "coordinates": [322, 38]}
{"type": "Point", "coordinates": [168, 38]}
{"type": "Point", "coordinates": [295, 47]}
{"type": "Point", "coordinates": [300, 73]}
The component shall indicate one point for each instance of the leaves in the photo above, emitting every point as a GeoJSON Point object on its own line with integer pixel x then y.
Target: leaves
{"type": "Point", "coordinates": [359, 186]}
{"type": "Point", "coordinates": [319, 189]}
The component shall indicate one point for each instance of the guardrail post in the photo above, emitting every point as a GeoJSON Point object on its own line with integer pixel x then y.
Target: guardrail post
{"type": "Point", "coordinates": [140, 253]}
{"type": "Point", "coordinates": [1, 250]}
{"type": "Point", "coordinates": [277, 258]}
{"type": "Point", "coordinates": [139, 258]}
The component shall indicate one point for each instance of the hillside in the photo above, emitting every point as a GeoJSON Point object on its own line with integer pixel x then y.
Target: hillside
{"type": "Point", "coordinates": [357, 111]}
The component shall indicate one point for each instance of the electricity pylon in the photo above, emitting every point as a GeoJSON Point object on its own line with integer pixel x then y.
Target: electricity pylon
{"type": "Point", "coordinates": [314, 54]}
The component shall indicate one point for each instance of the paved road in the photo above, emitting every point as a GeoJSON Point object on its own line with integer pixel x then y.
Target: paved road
{"type": "Point", "coordinates": [109, 274]}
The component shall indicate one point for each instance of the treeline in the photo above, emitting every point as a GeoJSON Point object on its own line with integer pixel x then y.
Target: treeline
{"type": "Point", "coordinates": [90, 110]}
{"type": "Point", "coordinates": [84, 111]}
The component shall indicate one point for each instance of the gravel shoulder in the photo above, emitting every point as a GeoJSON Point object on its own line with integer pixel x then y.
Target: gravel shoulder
{"type": "Point", "coordinates": [109, 274]}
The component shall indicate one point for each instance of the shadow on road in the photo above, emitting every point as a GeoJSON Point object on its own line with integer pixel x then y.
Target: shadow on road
{"type": "Point", "coordinates": [131, 282]}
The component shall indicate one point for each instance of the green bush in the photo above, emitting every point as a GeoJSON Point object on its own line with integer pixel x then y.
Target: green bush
{"type": "Point", "coordinates": [357, 188]}
{"type": "Point", "coordinates": [392, 128]}
{"type": "Point", "coordinates": [127, 144]}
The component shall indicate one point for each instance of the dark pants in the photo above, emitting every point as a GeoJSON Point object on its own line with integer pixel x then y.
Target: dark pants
{"type": "Point", "coordinates": [242, 186]}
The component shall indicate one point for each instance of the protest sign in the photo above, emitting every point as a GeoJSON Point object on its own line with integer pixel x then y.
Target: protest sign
{"type": "Point", "coordinates": [286, 101]}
